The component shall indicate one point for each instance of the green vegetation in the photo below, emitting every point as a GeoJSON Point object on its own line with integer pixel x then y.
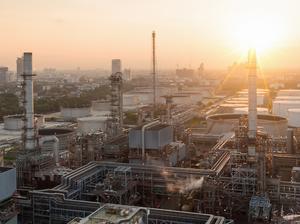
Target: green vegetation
{"type": "Point", "coordinates": [48, 105]}
{"type": "Point", "coordinates": [130, 118]}
{"type": "Point", "coordinates": [196, 122]}
{"type": "Point", "coordinates": [9, 104]}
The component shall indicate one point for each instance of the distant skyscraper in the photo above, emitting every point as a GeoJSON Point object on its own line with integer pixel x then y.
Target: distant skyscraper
{"type": "Point", "coordinates": [116, 66]}
{"type": "Point", "coordinates": [4, 75]}
{"type": "Point", "coordinates": [19, 63]}
{"type": "Point", "coordinates": [127, 74]}
{"type": "Point", "coordinates": [185, 73]}
{"type": "Point", "coordinates": [201, 70]}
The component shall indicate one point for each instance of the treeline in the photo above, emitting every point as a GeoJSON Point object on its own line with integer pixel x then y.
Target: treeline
{"type": "Point", "coordinates": [48, 105]}
{"type": "Point", "coordinates": [9, 103]}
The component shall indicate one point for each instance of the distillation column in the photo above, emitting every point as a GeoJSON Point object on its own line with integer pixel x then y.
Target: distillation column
{"type": "Point", "coordinates": [154, 72]}
{"type": "Point", "coordinates": [116, 121]}
{"type": "Point", "coordinates": [29, 129]}
{"type": "Point", "coordinates": [252, 105]}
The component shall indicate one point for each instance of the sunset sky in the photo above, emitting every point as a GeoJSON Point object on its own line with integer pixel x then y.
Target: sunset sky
{"type": "Point", "coordinates": [89, 33]}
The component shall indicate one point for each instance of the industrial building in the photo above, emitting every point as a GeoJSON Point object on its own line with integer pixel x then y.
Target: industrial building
{"type": "Point", "coordinates": [8, 187]}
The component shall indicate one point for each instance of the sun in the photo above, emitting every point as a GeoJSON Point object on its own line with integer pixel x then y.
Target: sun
{"type": "Point", "coordinates": [257, 32]}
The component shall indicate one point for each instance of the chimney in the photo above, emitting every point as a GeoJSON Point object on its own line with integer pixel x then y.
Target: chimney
{"type": "Point", "coordinates": [252, 105]}
{"type": "Point", "coordinates": [29, 129]}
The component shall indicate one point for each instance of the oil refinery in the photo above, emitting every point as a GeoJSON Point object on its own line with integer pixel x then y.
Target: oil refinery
{"type": "Point", "coordinates": [239, 164]}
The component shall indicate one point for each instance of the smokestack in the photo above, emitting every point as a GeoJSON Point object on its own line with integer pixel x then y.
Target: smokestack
{"type": "Point", "coordinates": [252, 105]}
{"type": "Point", "coordinates": [154, 71]}
{"type": "Point", "coordinates": [29, 128]}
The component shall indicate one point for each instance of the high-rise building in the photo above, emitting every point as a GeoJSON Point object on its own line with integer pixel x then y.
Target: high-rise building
{"type": "Point", "coordinates": [127, 74]}
{"type": "Point", "coordinates": [185, 73]}
{"type": "Point", "coordinates": [116, 66]}
{"type": "Point", "coordinates": [4, 75]}
{"type": "Point", "coordinates": [19, 63]}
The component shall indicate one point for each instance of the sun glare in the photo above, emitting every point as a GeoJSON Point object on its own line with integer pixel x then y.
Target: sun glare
{"type": "Point", "coordinates": [259, 33]}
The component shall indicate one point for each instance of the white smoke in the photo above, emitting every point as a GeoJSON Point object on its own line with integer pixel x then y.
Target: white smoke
{"type": "Point", "coordinates": [185, 186]}
{"type": "Point", "coordinates": [192, 185]}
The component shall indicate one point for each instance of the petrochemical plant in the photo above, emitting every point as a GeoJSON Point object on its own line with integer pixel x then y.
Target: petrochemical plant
{"type": "Point", "coordinates": [240, 166]}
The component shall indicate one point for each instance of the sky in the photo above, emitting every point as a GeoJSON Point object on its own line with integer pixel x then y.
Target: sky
{"type": "Point", "coordinates": [67, 34]}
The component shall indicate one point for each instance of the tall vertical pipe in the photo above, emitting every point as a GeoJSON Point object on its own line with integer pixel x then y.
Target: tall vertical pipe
{"type": "Point", "coordinates": [252, 95]}
{"type": "Point", "coordinates": [154, 71]}
{"type": "Point", "coordinates": [30, 140]}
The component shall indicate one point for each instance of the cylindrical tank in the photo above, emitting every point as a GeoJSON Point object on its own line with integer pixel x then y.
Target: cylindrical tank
{"type": "Point", "coordinates": [294, 117]}
{"type": "Point", "coordinates": [244, 110]}
{"type": "Point", "coordinates": [16, 122]}
{"type": "Point", "coordinates": [229, 108]}
{"type": "Point", "coordinates": [91, 124]}
{"type": "Point", "coordinates": [287, 98]}
{"type": "Point", "coordinates": [289, 92]}
{"type": "Point", "coordinates": [70, 114]}
{"type": "Point", "coordinates": [130, 100]}
{"type": "Point", "coordinates": [145, 97]}
{"type": "Point", "coordinates": [222, 123]}
{"type": "Point", "coordinates": [64, 135]}
{"type": "Point", "coordinates": [281, 107]}
{"type": "Point", "coordinates": [101, 105]}
{"type": "Point", "coordinates": [261, 96]}
{"type": "Point", "coordinates": [244, 92]}
{"type": "Point", "coordinates": [182, 100]}
{"type": "Point", "coordinates": [236, 101]}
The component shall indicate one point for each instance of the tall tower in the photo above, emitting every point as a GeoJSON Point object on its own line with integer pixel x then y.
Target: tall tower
{"type": "Point", "coordinates": [29, 129]}
{"type": "Point", "coordinates": [252, 105]}
{"type": "Point", "coordinates": [116, 122]}
{"type": "Point", "coordinates": [19, 63]}
{"type": "Point", "coordinates": [154, 70]}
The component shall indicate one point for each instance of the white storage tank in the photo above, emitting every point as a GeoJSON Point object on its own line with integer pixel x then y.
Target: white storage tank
{"type": "Point", "coordinates": [281, 107]}
{"type": "Point", "coordinates": [145, 97]}
{"type": "Point", "coordinates": [244, 110]}
{"type": "Point", "coordinates": [294, 117]}
{"type": "Point", "coordinates": [289, 92]}
{"type": "Point", "coordinates": [88, 125]}
{"type": "Point", "coordinates": [259, 91]}
{"type": "Point", "coordinates": [69, 113]}
{"type": "Point", "coordinates": [236, 101]}
{"type": "Point", "coordinates": [229, 108]}
{"type": "Point", "coordinates": [16, 123]}
{"type": "Point", "coordinates": [223, 123]}
{"type": "Point", "coordinates": [287, 98]}
{"type": "Point", "coordinates": [130, 99]}
{"type": "Point", "coordinates": [182, 99]}
{"type": "Point", "coordinates": [261, 99]}
{"type": "Point", "coordinates": [101, 105]}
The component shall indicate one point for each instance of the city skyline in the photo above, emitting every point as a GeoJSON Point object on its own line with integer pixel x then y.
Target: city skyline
{"type": "Point", "coordinates": [69, 34]}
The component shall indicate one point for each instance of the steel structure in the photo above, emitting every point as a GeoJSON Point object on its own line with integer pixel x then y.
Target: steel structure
{"type": "Point", "coordinates": [29, 129]}
{"type": "Point", "coordinates": [154, 71]}
{"type": "Point", "coordinates": [115, 123]}
{"type": "Point", "coordinates": [252, 96]}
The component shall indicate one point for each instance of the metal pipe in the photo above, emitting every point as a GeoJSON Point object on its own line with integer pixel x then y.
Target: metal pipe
{"type": "Point", "coordinates": [143, 136]}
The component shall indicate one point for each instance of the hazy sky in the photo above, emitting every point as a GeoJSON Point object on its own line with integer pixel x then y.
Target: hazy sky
{"type": "Point", "coordinates": [89, 33]}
